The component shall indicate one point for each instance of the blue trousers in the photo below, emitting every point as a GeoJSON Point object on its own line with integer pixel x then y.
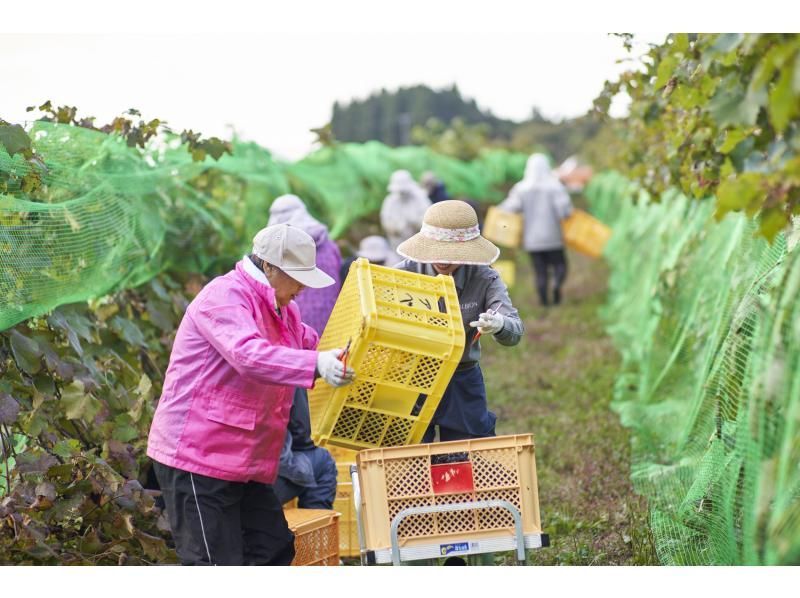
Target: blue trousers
{"type": "Point", "coordinates": [463, 411]}
{"type": "Point", "coordinates": [319, 496]}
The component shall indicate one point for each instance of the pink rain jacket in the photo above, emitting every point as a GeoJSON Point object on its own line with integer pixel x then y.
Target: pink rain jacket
{"type": "Point", "coordinates": [231, 377]}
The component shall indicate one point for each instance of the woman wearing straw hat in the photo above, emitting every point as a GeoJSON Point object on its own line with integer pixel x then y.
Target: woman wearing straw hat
{"type": "Point", "coordinates": [450, 243]}
{"type": "Point", "coordinates": [220, 423]}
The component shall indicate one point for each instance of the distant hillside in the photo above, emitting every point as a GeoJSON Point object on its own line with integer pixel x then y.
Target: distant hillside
{"type": "Point", "coordinates": [390, 116]}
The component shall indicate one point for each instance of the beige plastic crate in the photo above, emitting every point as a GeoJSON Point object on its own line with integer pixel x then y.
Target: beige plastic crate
{"type": "Point", "coordinates": [503, 228]}
{"type": "Point", "coordinates": [497, 468]}
{"type": "Point", "coordinates": [316, 536]}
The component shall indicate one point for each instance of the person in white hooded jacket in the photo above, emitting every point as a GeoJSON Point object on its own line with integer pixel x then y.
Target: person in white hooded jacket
{"type": "Point", "coordinates": [403, 209]}
{"type": "Point", "coordinates": [543, 202]}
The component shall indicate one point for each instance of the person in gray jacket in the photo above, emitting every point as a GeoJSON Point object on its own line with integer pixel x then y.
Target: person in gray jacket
{"type": "Point", "coordinates": [544, 203]}
{"type": "Point", "coordinates": [450, 243]}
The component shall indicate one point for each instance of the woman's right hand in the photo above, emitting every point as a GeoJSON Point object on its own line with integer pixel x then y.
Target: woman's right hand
{"type": "Point", "coordinates": [332, 370]}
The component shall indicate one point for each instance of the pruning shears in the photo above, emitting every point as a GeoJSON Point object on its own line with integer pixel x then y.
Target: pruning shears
{"type": "Point", "coordinates": [478, 333]}
{"type": "Point", "coordinates": [345, 353]}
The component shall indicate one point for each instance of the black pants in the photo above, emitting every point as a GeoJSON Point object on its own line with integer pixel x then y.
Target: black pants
{"type": "Point", "coordinates": [543, 262]}
{"type": "Point", "coordinates": [463, 412]}
{"type": "Point", "coordinates": [215, 522]}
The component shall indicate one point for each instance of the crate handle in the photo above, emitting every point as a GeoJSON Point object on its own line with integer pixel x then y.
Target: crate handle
{"type": "Point", "coordinates": [461, 506]}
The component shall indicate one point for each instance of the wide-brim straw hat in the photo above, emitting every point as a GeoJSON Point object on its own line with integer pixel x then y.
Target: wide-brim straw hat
{"type": "Point", "coordinates": [450, 235]}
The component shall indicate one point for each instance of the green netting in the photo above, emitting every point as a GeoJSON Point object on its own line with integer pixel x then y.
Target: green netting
{"type": "Point", "coordinates": [707, 319]}
{"type": "Point", "coordinates": [110, 217]}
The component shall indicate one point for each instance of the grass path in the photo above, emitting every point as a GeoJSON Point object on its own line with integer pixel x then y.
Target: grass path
{"type": "Point", "coordinates": [558, 384]}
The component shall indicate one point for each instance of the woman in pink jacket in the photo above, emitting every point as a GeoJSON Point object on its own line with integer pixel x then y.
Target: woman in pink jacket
{"type": "Point", "coordinates": [219, 426]}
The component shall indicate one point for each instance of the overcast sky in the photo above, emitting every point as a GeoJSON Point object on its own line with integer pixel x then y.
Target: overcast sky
{"type": "Point", "coordinates": [272, 87]}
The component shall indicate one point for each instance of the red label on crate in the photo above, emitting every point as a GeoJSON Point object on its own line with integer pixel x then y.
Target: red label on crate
{"type": "Point", "coordinates": [452, 478]}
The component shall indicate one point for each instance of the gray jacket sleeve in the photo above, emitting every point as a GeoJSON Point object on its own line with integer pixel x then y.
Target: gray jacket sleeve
{"type": "Point", "coordinates": [563, 204]}
{"type": "Point", "coordinates": [497, 298]}
{"type": "Point", "coordinates": [512, 203]}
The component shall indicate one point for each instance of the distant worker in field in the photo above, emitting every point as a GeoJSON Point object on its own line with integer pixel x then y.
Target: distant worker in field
{"type": "Point", "coordinates": [450, 243]}
{"type": "Point", "coordinates": [374, 249]}
{"type": "Point", "coordinates": [544, 203]}
{"type": "Point", "coordinates": [434, 187]}
{"type": "Point", "coordinates": [403, 209]}
{"type": "Point", "coordinates": [315, 305]}
{"type": "Point", "coordinates": [217, 432]}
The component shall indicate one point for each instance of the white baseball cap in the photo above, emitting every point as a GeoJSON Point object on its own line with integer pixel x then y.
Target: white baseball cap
{"type": "Point", "coordinates": [293, 251]}
{"type": "Point", "coordinates": [375, 248]}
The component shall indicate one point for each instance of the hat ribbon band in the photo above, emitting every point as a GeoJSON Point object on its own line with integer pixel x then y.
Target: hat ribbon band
{"type": "Point", "coordinates": [438, 233]}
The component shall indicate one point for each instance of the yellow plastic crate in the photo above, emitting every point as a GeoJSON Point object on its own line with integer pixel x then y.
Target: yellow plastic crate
{"type": "Point", "coordinates": [407, 339]}
{"type": "Point", "coordinates": [316, 536]}
{"type": "Point", "coordinates": [507, 270]}
{"type": "Point", "coordinates": [344, 504]}
{"type": "Point", "coordinates": [585, 233]}
{"type": "Point", "coordinates": [503, 228]}
{"type": "Point", "coordinates": [342, 455]}
{"type": "Point", "coordinates": [497, 468]}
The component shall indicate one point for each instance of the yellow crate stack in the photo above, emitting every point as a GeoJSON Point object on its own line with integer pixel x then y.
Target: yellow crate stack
{"type": "Point", "coordinates": [499, 468]}
{"type": "Point", "coordinates": [406, 340]}
{"type": "Point", "coordinates": [344, 504]}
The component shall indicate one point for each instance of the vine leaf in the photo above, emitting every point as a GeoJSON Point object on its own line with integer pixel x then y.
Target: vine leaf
{"type": "Point", "coordinates": [9, 409]}
{"type": "Point", "coordinates": [14, 139]}
{"type": "Point", "coordinates": [771, 221]}
{"type": "Point", "coordinates": [738, 193]}
{"type": "Point", "coordinates": [77, 403]}
{"type": "Point", "coordinates": [782, 102]}
{"type": "Point", "coordinates": [665, 70]}
{"type": "Point", "coordinates": [732, 105]}
{"type": "Point", "coordinates": [727, 42]}
{"type": "Point", "coordinates": [27, 352]}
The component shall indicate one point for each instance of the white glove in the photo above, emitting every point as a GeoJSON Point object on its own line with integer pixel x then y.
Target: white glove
{"type": "Point", "coordinates": [489, 323]}
{"type": "Point", "coordinates": [332, 370]}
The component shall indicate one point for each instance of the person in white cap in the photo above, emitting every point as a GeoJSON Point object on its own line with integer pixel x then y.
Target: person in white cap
{"type": "Point", "coordinates": [434, 187]}
{"type": "Point", "coordinates": [315, 305]}
{"type": "Point", "coordinates": [450, 243]}
{"type": "Point", "coordinates": [403, 209]}
{"type": "Point", "coordinates": [217, 432]}
{"type": "Point", "coordinates": [374, 249]}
